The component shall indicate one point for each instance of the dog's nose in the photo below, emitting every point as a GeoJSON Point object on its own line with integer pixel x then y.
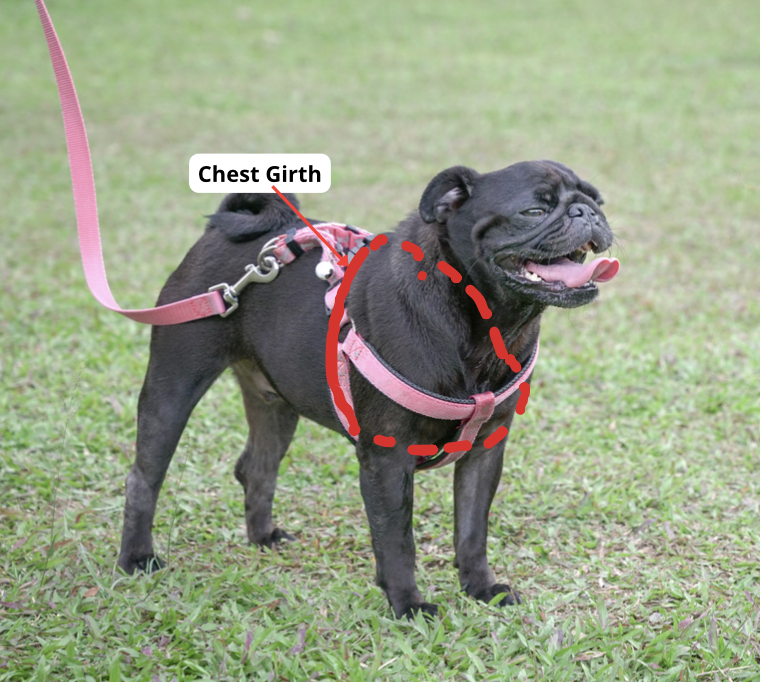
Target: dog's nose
{"type": "Point", "coordinates": [578, 210]}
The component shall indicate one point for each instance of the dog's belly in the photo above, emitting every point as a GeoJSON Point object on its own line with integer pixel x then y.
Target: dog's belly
{"type": "Point", "coordinates": [285, 329]}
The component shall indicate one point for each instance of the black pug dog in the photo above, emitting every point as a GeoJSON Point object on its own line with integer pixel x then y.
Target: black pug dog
{"type": "Point", "coordinates": [519, 235]}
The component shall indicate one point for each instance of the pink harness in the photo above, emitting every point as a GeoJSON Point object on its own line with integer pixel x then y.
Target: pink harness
{"type": "Point", "coordinates": [472, 413]}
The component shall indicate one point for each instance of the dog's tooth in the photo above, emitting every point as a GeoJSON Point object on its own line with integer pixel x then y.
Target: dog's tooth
{"type": "Point", "coordinates": [532, 276]}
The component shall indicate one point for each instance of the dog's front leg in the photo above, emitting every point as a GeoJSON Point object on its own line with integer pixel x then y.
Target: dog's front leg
{"type": "Point", "coordinates": [476, 478]}
{"type": "Point", "coordinates": [387, 485]}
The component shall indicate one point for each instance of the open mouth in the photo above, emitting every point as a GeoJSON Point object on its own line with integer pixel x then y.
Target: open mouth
{"type": "Point", "coordinates": [569, 271]}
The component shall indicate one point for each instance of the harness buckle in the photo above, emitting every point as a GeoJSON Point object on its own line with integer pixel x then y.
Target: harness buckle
{"type": "Point", "coordinates": [267, 269]}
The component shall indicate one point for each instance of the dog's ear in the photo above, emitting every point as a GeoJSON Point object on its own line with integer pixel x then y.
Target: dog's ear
{"type": "Point", "coordinates": [446, 192]}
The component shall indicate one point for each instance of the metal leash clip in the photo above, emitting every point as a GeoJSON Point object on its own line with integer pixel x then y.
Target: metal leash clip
{"type": "Point", "coordinates": [267, 269]}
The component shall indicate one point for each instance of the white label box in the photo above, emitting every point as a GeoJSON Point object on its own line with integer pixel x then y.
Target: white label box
{"type": "Point", "coordinates": [222, 173]}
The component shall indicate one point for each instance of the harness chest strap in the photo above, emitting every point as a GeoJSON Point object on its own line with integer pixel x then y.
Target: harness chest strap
{"type": "Point", "coordinates": [473, 413]}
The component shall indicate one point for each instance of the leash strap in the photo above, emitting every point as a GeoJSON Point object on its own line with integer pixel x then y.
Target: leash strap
{"type": "Point", "coordinates": [85, 204]}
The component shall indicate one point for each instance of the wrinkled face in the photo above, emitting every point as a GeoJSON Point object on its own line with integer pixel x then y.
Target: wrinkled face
{"type": "Point", "coordinates": [532, 225]}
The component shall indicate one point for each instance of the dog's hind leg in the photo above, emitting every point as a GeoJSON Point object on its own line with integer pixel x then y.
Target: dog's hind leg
{"type": "Point", "coordinates": [183, 364]}
{"type": "Point", "coordinates": [272, 424]}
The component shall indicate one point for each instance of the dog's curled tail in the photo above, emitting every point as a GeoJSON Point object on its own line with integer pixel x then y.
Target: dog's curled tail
{"type": "Point", "coordinates": [243, 217]}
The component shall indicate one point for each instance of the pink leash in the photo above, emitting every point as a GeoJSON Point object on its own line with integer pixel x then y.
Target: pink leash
{"type": "Point", "coordinates": [83, 185]}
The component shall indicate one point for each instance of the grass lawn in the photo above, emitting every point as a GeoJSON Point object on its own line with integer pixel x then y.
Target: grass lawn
{"type": "Point", "coordinates": [629, 510]}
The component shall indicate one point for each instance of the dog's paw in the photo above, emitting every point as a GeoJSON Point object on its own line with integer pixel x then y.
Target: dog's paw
{"type": "Point", "coordinates": [147, 564]}
{"type": "Point", "coordinates": [509, 597]}
{"type": "Point", "coordinates": [274, 539]}
{"type": "Point", "coordinates": [429, 611]}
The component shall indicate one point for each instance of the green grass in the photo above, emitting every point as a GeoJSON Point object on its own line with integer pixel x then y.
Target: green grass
{"type": "Point", "coordinates": [629, 511]}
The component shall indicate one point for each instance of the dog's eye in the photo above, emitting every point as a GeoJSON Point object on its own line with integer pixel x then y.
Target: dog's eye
{"type": "Point", "coordinates": [534, 212]}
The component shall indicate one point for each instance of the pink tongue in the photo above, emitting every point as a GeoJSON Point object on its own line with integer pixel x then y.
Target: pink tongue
{"type": "Point", "coordinates": [576, 274]}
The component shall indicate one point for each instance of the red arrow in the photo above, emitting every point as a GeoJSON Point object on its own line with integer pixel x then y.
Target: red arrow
{"type": "Point", "coordinates": [342, 260]}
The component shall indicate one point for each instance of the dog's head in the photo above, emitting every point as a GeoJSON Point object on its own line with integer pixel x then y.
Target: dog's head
{"type": "Point", "coordinates": [528, 228]}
